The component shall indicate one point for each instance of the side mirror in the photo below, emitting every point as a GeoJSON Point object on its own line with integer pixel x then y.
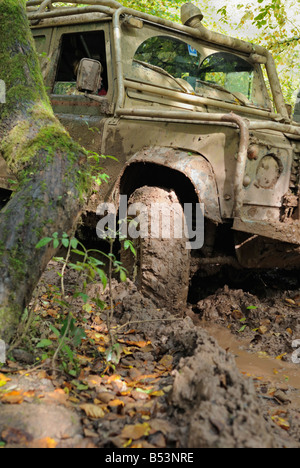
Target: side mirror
{"type": "Point", "coordinates": [89, 75]}
{"type": "Point", "coordinates": [296, 116]}
{"type": "Point", "coordinates": [289, 109]}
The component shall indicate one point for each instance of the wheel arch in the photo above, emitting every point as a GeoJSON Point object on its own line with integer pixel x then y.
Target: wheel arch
{"type": "Point", "coordinates": [190, 175]}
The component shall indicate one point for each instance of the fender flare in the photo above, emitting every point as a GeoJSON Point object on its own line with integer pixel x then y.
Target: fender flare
{"type": "Point", "coordinates": [193, 166]}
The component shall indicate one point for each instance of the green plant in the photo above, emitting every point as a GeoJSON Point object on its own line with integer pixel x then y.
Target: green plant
{"type": "Point", "coordinates": [91, 269]}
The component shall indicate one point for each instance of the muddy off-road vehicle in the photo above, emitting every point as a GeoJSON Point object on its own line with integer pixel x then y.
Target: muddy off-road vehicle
{"type": "Point", "coordinates": [192, 116]}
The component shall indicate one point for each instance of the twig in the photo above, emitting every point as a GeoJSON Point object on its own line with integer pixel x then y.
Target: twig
{"type": "Point", "coordinates": [150, 320]}
{"type": "Point", "coordinates": [62, 282]}
{"type": "Point", "coordinates": [111, 312]}
{"type": "Point", "coordinates": [25, 330]}
{"type": "Point", "coordinates": [61, 342]}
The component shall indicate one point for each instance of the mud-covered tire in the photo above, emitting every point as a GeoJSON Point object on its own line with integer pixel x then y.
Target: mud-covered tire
{"type": "Point", "coordinates": [161, 268]}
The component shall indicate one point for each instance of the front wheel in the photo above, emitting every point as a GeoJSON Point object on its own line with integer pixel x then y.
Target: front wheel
{"type": "Point", "coordinates": [161, 268]}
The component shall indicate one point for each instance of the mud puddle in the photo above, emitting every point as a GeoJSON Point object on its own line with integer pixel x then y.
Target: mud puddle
{"type": "Point", "coordinates": [257, 365]}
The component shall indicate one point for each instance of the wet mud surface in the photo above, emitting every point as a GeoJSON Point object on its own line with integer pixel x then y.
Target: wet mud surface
{"type": "Point", "coordinates": [226, 375]}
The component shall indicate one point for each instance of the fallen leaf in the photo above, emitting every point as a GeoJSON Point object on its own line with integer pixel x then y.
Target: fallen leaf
{"type": "Point", "coordinates": [89, 433]}
{"type": "Point", "coordinates": [127, 443]}
{"type": "Point", "coordinates": [262, 329]}
{"type": "Point", "coordinates": [158, 393]}
{"type": "Point", "coordinates": [29, 395]}
{"type": "Point", "coordinates": [167, 361]}
{"type": "Point", "coordinates": [237, 314]}
{"type": "Point", "coordinates": [11, 435]}
{"type": "Point", "coordinates": [101, 337]}
{"type": "Point", "coordinates": [4, 380]}
{"type": "Point", "coordinates": [45, 443]}
{"type": "Point", "coordinates": [130, 332]}
{"type": "Point", "coordinates": [116, 403]}
{"type": "Point", "coordinates": [283, 423]}
{"type": "Point", "coordinates": [281, 396]}
{"type": "Point", "coordinates": [12, 398]}
{"type": "Point", "coordinates": [43, 375]}
{"type": "Point", "coordinates": [135, 432]}
{"type": "Point", "coordinates": [290, 301]}
{"type": "Point", "coordinates": [58, 396]}
{"type": "Point", "coordinates": [138, 395]}
{"type": "Point", "coordinates": [143, 444]}
{"type": "Point", "coordinates": [280, 356]}
{"type": "Point", "coordinates": [105, 397]}
{"type": "Point", "coordinates": [93, 381]}
{"type": "Point", "coordinates": [263, 355]}
{"type": "Point", "coordinates": [139, 344]}
{"type": "Point", "coordinates": [92, 411]}
{"type": "Point", "coordinates": [160, 425]}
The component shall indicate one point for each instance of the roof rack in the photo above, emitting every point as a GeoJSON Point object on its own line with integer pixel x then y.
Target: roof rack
{"type": "Point", "coordinates": [42, 5]}
{"type": "Point", "coordinates": [38, 10]}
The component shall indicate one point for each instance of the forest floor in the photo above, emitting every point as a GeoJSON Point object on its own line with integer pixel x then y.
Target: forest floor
{"type": "Point", "coordinates": [219, 375]}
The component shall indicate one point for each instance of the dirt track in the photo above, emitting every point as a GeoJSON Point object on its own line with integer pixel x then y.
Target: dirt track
{"type": "Point", "coordinates": [231, 382]}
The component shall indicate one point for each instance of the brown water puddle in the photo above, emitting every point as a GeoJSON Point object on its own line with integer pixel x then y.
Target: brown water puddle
{"type": "Point", "coordinates": [256, 365]}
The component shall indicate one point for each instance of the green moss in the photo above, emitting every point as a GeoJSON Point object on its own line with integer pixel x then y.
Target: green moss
{"type": "Point", "coordinates": [28, 108]}
{"type": "Point", "coordinates": [9, 321]}
{"type": "Point", "coordinates": [19, 62]}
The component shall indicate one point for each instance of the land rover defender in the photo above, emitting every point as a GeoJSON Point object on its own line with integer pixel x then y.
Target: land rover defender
{"type": "Point", "coordinates": [192, 116]}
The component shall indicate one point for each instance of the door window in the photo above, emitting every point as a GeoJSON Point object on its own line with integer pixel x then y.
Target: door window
{"type": "Point", "coordinates": [75, 47]}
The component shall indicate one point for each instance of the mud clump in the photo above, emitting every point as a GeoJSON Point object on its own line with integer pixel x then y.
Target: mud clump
{"type": "Point", "coordinates": [211, 403]}
{"type": "Point", "coordinates": [270, 324]}
{"type": "Point", "coordinates": [221, 407]}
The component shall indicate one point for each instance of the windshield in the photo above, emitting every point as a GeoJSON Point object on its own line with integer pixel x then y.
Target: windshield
{"type": "Point", "coordinates": [206, 71]}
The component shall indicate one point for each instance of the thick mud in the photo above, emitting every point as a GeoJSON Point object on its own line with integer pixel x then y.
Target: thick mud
{"type": "Point", "coordinates": [226, 392]}
{"type": "Point", "coordinates": [234, 383]}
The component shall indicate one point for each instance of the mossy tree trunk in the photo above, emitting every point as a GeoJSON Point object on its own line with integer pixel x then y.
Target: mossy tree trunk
{"type": "Point", "coordinates": [50, 167]}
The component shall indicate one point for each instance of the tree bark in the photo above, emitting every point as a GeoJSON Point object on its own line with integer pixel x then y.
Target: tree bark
{"type": "Point", "coordinates": [51, 169]}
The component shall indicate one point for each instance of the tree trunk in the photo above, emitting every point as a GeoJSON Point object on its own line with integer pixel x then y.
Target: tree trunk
{"type": "Point", "coordinates": [50, 168]}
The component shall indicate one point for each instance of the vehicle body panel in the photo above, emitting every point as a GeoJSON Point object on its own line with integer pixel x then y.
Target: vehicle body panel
{"type": "Point", "coordinates": [148, 115]}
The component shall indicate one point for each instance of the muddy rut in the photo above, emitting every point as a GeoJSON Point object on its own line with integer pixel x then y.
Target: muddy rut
{"type": "Point", "coordinates": [233, 381]}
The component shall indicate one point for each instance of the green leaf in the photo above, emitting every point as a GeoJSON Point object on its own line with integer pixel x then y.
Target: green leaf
{"type": "Point", "coordinates": [87, 308]}
{"type": "Point", "coordinates": [65, 242]}
{"type": "Point", "coordinates": [54, 330]}
{"type": "Point", "coordinates": [69, 352]}
{"type": "Point", "coordinates": [44, 343]}
{"type": "Point", "coordinates": [74, 243]}
{"type": "Point", "coordinates": [78, 266]}
{"type": "Point", "coordinates": [242, 329]}
{"type": "Point", "coordinates": [84, 296]}
{"type": "Point", "coordinates": [102, 277]}
{"type": "Point", "coordinates": [78, 336]}
{"type": "Point", "coordinates": [142, 390]}
{"type": "Point", "coordinates": [78, 252]}
{"type": "Point", "coordinates": [55, 243]}
{"type": "Point", "coordinates": [65, 324]}
{"type": "Point", "coordinates": [43, 242]}
{"type": "Point", "coordinates": [81, 387]}
{"type": "Point", "coordinates": [128, 245]}
{"type": "Point", "coordinates": [123, 276]}
{"type": "Point", "coordinates": [99, 303]}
